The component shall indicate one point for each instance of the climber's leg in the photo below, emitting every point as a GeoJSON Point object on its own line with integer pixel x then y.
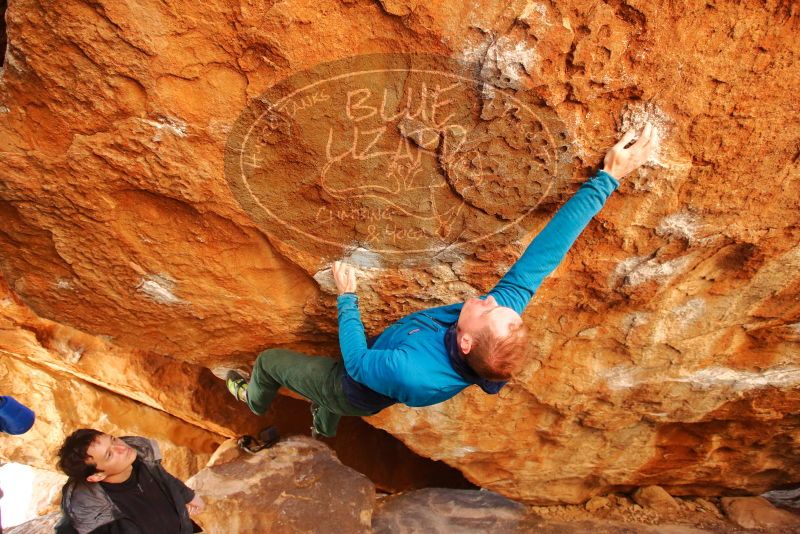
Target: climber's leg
{"type": "Point", "coordinates": [317, 378]}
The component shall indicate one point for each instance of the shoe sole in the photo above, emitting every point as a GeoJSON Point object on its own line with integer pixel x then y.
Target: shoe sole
{"type": "Point", "coordinates": [222, 372]}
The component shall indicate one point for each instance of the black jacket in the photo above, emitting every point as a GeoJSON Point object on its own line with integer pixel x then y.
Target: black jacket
{"type": "Point", "coordinates": [86, 506]}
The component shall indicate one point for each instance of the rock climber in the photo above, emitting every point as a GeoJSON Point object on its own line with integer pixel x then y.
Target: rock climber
{"type": "Point", "coordinates": [431, 355]}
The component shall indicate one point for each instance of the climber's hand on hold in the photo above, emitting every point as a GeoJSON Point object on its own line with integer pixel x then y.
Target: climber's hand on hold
{"type": "Point", "coordinates": [345, 277]}
{"type": "Point", "coordinates": [620, 161]}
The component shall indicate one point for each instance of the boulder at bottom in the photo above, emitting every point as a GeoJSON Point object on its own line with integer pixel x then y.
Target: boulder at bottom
{"type": "Point", "coordinates": [436, 510]}
{"type": "Point", "coordinates": [758, 512]}
{"type": "Point", "coordinates": [655, 497]}
{"type": "Point", "coordinates": [40, 525]}
{"type": "Point", "coordinates": [448, 511]}
{"type": "Point", "coordinates": [296, 486]}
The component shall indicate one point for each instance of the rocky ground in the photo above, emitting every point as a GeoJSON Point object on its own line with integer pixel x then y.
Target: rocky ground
{"type": "Point", "coordinates": [300, 486]}
{"type": "Point", "coordinates": [698, 513]}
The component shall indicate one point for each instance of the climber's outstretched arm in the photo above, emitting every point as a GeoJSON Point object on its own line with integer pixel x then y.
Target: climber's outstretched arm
{"type": "Point", "coordinates": [550, 246]}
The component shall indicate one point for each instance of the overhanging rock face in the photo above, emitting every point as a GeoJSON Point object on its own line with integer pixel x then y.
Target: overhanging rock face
{"type": "Point", "coordinates": [178, 181]}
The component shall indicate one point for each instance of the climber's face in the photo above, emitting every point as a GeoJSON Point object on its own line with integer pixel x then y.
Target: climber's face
{"type": "Point", "coordinates": [478, 314]}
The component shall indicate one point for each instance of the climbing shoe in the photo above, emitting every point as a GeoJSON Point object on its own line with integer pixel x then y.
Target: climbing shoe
{"type": "Point", "coordinates": [237, 385]}
{"type": "Point", "coordinates": [314, 410]}
{"type": "Point", "coordinates": [266, 439]}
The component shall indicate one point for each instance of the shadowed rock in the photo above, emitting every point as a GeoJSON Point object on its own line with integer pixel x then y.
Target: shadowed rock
{"type": "Point", "coordinates": [759, 513]}
{"type": "Point", "coordinates": [296, 486]}
{"type": "Point", "coordinates": [439, 511]}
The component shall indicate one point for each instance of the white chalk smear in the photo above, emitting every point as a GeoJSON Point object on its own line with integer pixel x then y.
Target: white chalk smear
{"type": "Point", "coordinates": [475, 53]}
{"type": "Point", "coordinates": [363, 258]}
{"type": "Point", "coordinates": [70, 353]}
{"type": "Point", "coordinates": [506, 62]}
{"type": "Point", "coordinates": [503, 62]}
{"type": "Point", "coordinates": [783, 376]}
{"type": "Point", "coordinates": [167, 124]}
{"type": "Point", "coordinates": [717, 377]}
{"type": "Point", "coordinates": [159, 287]}
{"type": "Point", "coordinates": [63, 283]}
{"type": "Point", "coordinates": [690, 311]}
{"type": "Point", "coordinates": [637, 269]}
{"type": "Point", "coordinates": [531, 9]}
{"type": "Point", "coordinates": [682, 224]}
{"type": "Point", "coordinates": [367, 263]}
{"type": "Point", "coordinates": [460, 452]}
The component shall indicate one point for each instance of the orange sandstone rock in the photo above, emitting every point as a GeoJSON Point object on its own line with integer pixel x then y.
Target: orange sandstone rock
{"type": "Point", "coordinates": [665, 346]}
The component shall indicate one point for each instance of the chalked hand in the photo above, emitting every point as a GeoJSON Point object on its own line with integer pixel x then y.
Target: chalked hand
{"type": "Point", "coordinates": [345, 277]}
{"type": "Point", "coordinates": [620, 161]}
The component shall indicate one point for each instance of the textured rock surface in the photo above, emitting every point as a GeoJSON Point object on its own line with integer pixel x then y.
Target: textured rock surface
{"type": "Point", "coordinates": [64, 404]}
{"type": "Point", "coordinates": [73, 380]}
{"type": "Point", "coordinates": [296, 486]}
{"type": "Point", "coordinates": [187, 391]}
{"type": "Point", "coordinates": [443, 511]}
{"type": "Point", "coordinates": [436, 510]}
{"type": "Point", "coordinates": [41, 525]}
{"type": "Point", "coordinates": [656, 498]}
{"type": "Point", "coordinates": [666, 345]}
{"type": "Point", "coordinates": [758, 513]}
{"type": "Point", "coordinates": [596, 503]}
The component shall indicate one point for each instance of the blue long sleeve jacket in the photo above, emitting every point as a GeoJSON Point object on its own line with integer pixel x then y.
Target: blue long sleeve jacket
{"type": "Point", "coordinates": [409, 362]}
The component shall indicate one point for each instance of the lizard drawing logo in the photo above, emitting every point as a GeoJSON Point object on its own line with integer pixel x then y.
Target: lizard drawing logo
{"type": "Point", "coordinates": [404, 156]}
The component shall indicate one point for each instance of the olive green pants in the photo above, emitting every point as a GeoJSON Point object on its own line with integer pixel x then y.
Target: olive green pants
{"type": "Point", "coordinates": [317, 378]}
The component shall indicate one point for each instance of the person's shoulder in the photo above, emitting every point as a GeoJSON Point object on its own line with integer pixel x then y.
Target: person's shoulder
{"type": "Point", "coordinates": [83, 499]}
{"type": "Point", "coordinates": [147, 449]}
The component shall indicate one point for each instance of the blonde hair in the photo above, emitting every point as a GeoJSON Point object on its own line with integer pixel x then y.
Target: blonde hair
{"type": "Point", "coordinates": [498, 358]}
